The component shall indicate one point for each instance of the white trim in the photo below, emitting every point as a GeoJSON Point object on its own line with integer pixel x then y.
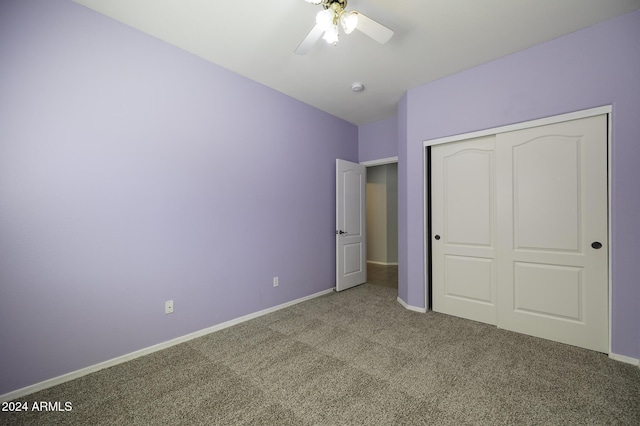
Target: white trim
{"type": "Point", "coordinates": [625, 359]}
{"type": "Point", "coordinates": [383, 263]}
{"type": "Point", "coordinates": [592, 112]}
{"type": "Point", "coordinates": [151, 349]}
{"type": "Point", "coordinates": [524, 125]}
{"type": "Point", "coordinates": [411, 308]}
{"type": "Point", "coordinates": [380, 162]}
{"type": "Point", "coordinates": [425, 227]}
{"type": "Point", "coordinates": [609, 226]}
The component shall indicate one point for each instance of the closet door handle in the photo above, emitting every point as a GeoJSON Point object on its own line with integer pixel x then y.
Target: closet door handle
{"type": "Point", "coordinates": [596, 245]}
{"type": "Point", "coordinates": [437, 237]}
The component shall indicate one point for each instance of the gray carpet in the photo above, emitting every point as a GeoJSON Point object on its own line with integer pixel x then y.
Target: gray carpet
{"type": "Point", "coordinates": [355, 357]}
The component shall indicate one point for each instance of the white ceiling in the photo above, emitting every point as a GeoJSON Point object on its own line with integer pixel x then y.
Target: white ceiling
{"type": "Point", "coordinates": [433, 39]}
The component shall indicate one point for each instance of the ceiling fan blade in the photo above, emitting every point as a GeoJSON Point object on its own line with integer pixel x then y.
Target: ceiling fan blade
{"type": "Point", "coordinates": [309, 40]}
{"type": "Point", "coordinates": [373, 29]}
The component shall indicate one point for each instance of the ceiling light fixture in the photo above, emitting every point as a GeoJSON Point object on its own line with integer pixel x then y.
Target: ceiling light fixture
{"type": "Point", "coordinates": [334, 15]}
{"type": "Point", "coordinates": [327, 20]}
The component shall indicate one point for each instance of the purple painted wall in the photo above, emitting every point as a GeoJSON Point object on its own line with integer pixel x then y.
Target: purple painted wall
{"type": "Point", "coordinates": [378, 140]}
{"type": "Point", "coordinates": [403, 213]}
{"type": "Point", "coordinates": [593, 67]}
{"type": "Point", "coordinates": [131, 173]}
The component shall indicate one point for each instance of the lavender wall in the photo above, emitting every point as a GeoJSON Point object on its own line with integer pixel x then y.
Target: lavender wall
{"type": "Point", "coordinates": [403, 213]}
{"type": "Point", "coordinates": [378, 140]}
{"type": "Point", "coordinates": [593, 67]}
{"type": "Point", "coordinates": [132, 173]}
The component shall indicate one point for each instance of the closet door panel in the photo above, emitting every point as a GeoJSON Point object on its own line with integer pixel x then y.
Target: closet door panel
{"type": "Point", "coordinates": [552, 205]}
{"type": "Point", "coordinates": [464, 229]}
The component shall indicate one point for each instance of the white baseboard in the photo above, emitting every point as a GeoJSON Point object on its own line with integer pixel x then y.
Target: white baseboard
{"type": "Point", "coordinates": [19, 393]}
{"type": "Point", "coordinates": [625, 359]}
{"type": "Point", "coordinates": [382, 263]}
{"type": "Point", "coordinates": [411, 308]}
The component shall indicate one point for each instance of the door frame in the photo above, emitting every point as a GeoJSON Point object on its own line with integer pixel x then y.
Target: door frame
{"type": "Point", "coordinates": [366, 164]}
{"type": "Point", "coordinates": [426, 196]}
{"type": "Point", "coordinates": [380, 162]}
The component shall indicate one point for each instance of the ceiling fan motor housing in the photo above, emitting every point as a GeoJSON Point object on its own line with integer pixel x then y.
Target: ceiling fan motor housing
{"type": "Point", "coordinates": [336, 5]}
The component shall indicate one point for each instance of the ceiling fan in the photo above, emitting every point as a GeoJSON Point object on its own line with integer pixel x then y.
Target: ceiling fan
{"type": "Point", "coordinates": [334, 13]}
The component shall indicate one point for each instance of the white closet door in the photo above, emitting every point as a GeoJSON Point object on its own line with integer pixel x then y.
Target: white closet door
{"type": "Point", "coordinates": [464, 229]}
{"type": "Point", "coordinates": [552, 238]}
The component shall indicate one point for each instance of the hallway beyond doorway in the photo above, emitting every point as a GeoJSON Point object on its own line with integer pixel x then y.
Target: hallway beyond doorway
{"type": "Point", "coordinates": [382, 275]}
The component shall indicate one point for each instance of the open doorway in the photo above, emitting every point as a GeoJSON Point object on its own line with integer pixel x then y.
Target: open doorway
{"type": "Point", "coordinates": [382, 224]}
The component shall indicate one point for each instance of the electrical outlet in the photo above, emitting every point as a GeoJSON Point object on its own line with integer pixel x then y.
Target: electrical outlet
{"type": "Point", "coordinates": [275, 281]}
{"type": "Point", "coordinates": [168, 307]}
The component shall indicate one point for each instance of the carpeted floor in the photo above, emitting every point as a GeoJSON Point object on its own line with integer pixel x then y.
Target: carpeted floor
{"type": "Point", "coordinates": [355, 357]}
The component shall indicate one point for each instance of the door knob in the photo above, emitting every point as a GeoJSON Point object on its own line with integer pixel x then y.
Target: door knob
{"type": "Point", "coordinates": [340, 232]}
{"type": "Point", "coordinates": [596, 245]}
{"type": "Point", "coordinates": [437, 237]}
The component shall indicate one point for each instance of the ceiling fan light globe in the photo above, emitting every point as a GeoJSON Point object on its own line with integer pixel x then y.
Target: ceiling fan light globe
{"type": "Point", "coordinates": [349, 21]}
{"type": "Point", "coordinates": [324, 18]}
{"type": "Point", "coordinates": [331, 34]}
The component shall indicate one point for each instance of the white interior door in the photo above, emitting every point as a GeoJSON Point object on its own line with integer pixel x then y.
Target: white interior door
{"type": "Point", "coordinates": [351, 243]}
{"type": "Point", "coordinates": [464, 229]}
{"type": "Point", "coordinates": [552, 210]}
